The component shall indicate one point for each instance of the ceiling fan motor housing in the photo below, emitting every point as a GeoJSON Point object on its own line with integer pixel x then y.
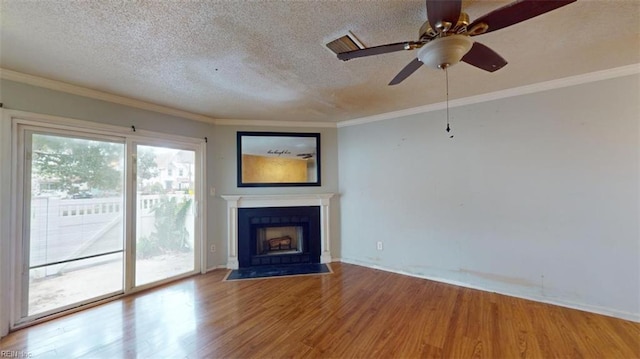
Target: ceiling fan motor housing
{"type": "Point", "coordinates": [445, 51]}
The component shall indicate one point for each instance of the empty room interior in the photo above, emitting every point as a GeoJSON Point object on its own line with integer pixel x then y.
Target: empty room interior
{"type": "Point", "coordinates": [371, 179]}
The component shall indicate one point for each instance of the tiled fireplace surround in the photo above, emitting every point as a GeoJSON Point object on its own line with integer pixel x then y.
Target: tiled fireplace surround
{"type": "Point", "coordinates": [261, 201]}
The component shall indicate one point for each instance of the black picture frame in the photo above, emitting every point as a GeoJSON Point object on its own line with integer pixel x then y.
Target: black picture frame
{"type": "Point", "coordinates": [286, 146]}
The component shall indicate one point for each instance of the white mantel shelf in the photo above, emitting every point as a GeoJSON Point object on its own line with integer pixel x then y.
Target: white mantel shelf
{"type": "Point", "coordinates": [285, 200]}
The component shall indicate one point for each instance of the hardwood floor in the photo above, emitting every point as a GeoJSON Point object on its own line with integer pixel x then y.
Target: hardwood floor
{"type": "Point", "coordinates": [354, 312]}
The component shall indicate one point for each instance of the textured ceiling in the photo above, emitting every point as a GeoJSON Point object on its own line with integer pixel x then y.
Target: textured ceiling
{"type": "Point", "coordinates": [266, 60]}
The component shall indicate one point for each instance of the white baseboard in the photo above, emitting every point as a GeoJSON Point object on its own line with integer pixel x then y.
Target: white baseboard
{"type": "Point", "coordinates": [635, 317]}
{"type": "Point", "coordinates": [219, 266]}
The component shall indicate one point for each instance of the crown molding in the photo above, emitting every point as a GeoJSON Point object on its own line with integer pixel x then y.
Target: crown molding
{"type": "Point", "coordinates": [55, 85]}
{"type": "Point", "coordinates": [516, 91]}
{"type": "Point", "coordinates": [98, 95]}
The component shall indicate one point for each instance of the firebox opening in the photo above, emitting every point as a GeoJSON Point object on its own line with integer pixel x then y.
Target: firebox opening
{"type": "Point", "coordinates": [279, 240]}
{"type": "Point", "coordinates": [278, 236]}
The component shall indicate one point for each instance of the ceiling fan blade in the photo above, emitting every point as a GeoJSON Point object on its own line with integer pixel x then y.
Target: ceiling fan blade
{"type": "Point", "coordinates": [443, 10]}
{"type": "Point", "coordinates": [484, 58]}
{"type": "Point", "coordinates": [516, 12]}
{"type": "Point", "coordinates": [406, 71]}
{"type": "Point", "coordinates": [377, 50]}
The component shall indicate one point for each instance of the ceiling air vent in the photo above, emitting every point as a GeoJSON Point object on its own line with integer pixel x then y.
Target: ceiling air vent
{"type": "Point", "coordinates": [344, 44]}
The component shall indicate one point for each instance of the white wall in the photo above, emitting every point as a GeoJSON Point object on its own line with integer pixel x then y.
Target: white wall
{"type": "Point", "coordinates": [535, 196]}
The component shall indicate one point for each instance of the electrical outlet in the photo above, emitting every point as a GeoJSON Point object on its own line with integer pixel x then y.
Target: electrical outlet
{"type": "Point", "coordinates": [212, 191]}
{"type": "Point", "coordinates": [213, 248]}
{"type": "Point", "coordinates": [379, 245]}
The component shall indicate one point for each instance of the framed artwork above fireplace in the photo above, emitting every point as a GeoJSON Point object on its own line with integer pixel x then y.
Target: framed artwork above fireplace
{"type": "Point", "coordinates": [278, 159]}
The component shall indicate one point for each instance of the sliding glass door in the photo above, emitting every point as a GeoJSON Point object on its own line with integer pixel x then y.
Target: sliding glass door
{"type": "Point", "coordinates": [165, 208]}
{"type": "Point", "coordinates": [101, 215]}
{"type": "Point", "coordinates": [74, 216]}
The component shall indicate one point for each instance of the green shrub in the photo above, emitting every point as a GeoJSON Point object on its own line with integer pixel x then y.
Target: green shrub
{"type": "Point", "coordinates": [170, 233]}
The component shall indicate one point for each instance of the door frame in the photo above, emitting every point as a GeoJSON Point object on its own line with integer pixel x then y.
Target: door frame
{"type": "Point", "coordinates": [11, 226]}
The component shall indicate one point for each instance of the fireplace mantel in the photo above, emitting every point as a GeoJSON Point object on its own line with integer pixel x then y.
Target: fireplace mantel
{"type": "Point", "coordinates": [288, 200]}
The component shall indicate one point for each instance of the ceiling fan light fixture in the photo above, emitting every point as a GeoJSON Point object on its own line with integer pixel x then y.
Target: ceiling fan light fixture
{"type": "Point", "coordinates": [445, 51]}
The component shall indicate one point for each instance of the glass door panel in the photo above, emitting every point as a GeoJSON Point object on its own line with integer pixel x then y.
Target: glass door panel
{"type": "Point", "coordinates": [165, 220]}
{"type": "Point", "coordinates": [75, 224]}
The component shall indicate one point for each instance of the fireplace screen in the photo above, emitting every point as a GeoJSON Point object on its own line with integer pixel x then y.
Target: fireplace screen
{"type": "Point", "coordinates": [279, 240]}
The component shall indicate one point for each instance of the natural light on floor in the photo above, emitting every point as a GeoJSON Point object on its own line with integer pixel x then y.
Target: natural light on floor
{"type": "Point", "coordinates": [71, 286]}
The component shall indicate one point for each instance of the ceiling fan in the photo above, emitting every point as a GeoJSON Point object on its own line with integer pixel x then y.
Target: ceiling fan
{"type": "Point", "coordinates": [445, 38]}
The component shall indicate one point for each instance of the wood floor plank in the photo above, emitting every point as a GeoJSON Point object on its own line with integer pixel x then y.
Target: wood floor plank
{"type": "Point", "coordinates": [355, 312]}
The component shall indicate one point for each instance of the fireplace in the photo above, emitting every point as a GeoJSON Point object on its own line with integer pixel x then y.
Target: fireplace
{"type": "Point", "coordinates": [278, 236]}
{"type": "Point", "coordinates": [237, 204]}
